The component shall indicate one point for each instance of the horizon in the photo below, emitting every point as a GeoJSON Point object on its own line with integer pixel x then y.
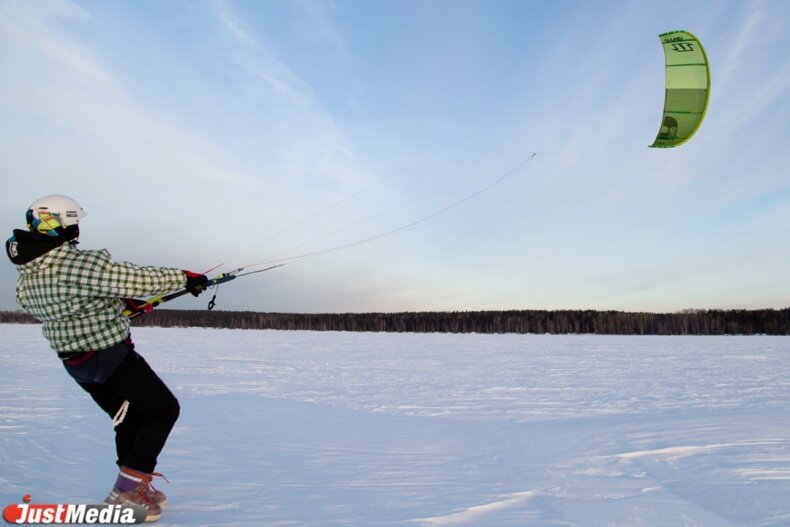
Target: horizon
{"type": "Point", "coordinates": [685, 311]}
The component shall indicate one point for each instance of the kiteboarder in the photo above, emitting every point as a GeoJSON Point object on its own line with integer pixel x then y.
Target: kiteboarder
{"type": "Point", "coordinates": [79, 296]}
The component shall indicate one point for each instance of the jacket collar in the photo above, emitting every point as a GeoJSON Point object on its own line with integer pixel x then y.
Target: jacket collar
{"type": "Point", "coordinates": [31, 257]}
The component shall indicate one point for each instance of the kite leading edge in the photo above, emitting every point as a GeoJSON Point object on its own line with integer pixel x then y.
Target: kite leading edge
{"type": "Point", "coordinates": [687, 88]}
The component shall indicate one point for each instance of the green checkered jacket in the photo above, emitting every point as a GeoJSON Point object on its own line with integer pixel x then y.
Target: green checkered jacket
{"type": "Point", "coordinates": [78, 295]}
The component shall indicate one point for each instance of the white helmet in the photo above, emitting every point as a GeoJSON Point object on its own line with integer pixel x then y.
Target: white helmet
{"type": "Point", "coordinates": [50, 212]}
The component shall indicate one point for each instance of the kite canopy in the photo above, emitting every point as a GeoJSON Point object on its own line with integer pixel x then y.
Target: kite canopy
{"type": "Point", "coordinates": [687, 88]}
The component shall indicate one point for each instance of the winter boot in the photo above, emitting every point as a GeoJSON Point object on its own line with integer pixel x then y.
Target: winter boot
{"type": "Point", "coordinates": [134, 488]}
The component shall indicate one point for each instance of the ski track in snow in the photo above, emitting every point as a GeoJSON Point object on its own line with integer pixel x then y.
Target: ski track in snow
{"type": "Point", "coordinates": [473, 513]}
{"type": "Point", "coordinates": [367, 429]}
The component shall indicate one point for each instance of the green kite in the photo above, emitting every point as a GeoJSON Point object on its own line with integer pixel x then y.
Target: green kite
{"type": "Point", "coordinates": [687, 88]}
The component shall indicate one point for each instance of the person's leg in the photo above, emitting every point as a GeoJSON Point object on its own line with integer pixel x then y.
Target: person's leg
{"type": "Point", "coordinates": [126, 432]}
{"type": "Point", "coordinates": [143, 426]}
{"type": "Point", "coordinates": [151, 415]}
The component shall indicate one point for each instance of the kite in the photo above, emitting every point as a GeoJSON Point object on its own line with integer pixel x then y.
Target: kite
{"type": "Point", "coordinates": [687, 88]}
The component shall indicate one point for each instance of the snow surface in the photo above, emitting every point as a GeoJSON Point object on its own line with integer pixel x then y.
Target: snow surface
{"type": "Point", "coordinates": [369, 429]}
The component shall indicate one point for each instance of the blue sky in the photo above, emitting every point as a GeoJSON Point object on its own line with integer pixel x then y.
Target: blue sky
{"type": "Point", "coordinates": [203, 133]}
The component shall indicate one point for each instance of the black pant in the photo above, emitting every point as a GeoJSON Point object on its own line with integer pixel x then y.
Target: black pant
{"type": "Point", "coordinates": [153, 409]}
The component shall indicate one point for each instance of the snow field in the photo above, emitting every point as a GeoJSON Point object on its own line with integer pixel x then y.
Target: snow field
{"type": "Point", "coordinates": [368, 429]}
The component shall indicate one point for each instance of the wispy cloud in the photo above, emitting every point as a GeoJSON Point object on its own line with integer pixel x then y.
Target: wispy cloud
{"type": "Point", "coordinates": [743, 44]}
{"type": "Point", "coordinates": [115, 138]}
{"type": "Point", "coordinates": [251, 53]}
{"type": "Point", "coordinates": [743, 87]}
{"type": "Point", "coordinates": [321, 24]}
{"type": "Point", "coordinates": [31, 27]}
{"type": "Point", "coordinates": [231, 22]}
{"type": "Point", "coordinates": [311, 146]}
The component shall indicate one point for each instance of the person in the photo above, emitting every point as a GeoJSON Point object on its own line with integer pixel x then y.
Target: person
{"type": "Point", "coordinates": [80, 297]}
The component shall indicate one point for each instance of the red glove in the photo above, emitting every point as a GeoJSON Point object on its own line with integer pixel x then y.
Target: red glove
{"type": "Point", "coordinates": [134, 305]}
{"type": "Point", "coordinates": [195, 282]}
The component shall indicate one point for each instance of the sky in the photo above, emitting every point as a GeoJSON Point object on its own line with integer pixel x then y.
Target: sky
{"type": "Point", "coordinates": [407, 155]}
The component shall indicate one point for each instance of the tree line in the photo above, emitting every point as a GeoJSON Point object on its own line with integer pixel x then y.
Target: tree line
{"type": "Point", "coordinates": [688, 322]}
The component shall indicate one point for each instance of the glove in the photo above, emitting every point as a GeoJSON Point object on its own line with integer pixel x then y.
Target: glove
{"type": "Point", "coordinates": [195, 282]}
{"type": "Point", "coordinates": [134, 304]}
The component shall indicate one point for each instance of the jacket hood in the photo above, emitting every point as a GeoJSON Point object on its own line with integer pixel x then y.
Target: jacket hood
{"type": "Point", "coordinates": [25, 247]}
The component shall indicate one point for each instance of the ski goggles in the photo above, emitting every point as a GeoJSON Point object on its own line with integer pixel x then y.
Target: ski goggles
{"type": "Point", "coordinates": [44, 222]}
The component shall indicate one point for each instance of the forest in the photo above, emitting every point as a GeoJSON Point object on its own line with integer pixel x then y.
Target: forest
{"type": "Point", "coordinates": [687, 322]}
